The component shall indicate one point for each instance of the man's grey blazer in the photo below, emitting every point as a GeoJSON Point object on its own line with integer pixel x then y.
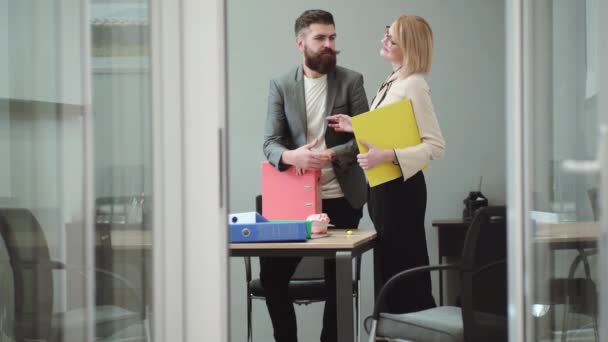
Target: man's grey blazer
{"type": "Point", "coordinates": [286, 124]}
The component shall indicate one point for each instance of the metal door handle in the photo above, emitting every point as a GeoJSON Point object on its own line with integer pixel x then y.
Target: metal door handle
{"type": "Point", "coordinates": [220, 134]}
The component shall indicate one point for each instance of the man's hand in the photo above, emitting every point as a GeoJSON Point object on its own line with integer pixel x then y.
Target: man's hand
{"type": "Point", "coordinates": [305, 159]}
{"type": "Point", "coordinates": [373, 156]}
{"type": "Point", "coordinates": [328, 154]}
{"type": "Point", "coordinates": [340, 123]}
{"type": "Point", "coordinates": [299, 171]}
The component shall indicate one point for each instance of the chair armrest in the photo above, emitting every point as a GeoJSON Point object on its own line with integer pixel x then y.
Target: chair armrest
{"type": "Point", "coordinates": [488, 266]}
{"type": "Point", "coordinates": [54, 265]}
{"type": "Point", "coordinates": [582, 257]}
{"type": "Point", "coordinates": [390, 284]}
{"type": "Point", "coordinates": [247, 269]}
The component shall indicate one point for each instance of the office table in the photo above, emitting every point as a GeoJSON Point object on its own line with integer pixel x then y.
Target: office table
{"type": "Point", "coordinates": [567, 235]}
{"type": "Point", "coordinates": [580, 236]}
{"type": "Point", "coordinates": [554, 236]}
{"type": "Point", "coordinates": [563, 235]}
{"type": "Point", "coordinates": [339, 245]}
{"type": "Point", "coordinates": [450, 240]}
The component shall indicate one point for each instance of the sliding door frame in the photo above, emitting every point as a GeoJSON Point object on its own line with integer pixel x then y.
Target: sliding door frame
{"type": "Point", "coordinates": [189, 101]}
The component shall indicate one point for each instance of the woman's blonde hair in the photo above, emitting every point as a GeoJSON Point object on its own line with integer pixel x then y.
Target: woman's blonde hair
{"type": "Point", "coordinates": [414, 37]}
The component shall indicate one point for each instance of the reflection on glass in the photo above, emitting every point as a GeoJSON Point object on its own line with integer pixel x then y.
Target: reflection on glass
{"type": "Point", "coordinates": [563, 120]}
{"type": "Point", "coordinates": [121, 106]}
{"type": "Point", "coordinates": [49, 290]}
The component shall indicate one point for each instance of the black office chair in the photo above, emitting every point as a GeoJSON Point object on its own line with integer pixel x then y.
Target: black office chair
{"type": "Point", "coordinates": [33, 317]}
{"type": "Point", "coordinates": [482, 315]}
{"type": "Point", "coordinates": [580, 294]}
{"type": "Point", "coordinates": [307, 285]}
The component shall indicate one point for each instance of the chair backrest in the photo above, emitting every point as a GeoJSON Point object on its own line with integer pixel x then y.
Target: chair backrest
{"type": "Point", "coordinates": [310, 268]}
{"type": "Point", "coordinates": [7, 295]}
{"type": "Point", "coordinates": [484, 276]}
{"type": "Point", "coordinates": [32, 273]}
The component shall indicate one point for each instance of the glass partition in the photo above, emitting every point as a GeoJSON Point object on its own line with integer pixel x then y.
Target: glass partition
{"type": "Point", "coordinates": [75, 175]}
{"type": "Point", "coordinates": [558, 188]}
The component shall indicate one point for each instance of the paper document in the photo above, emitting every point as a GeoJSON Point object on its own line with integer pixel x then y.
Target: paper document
{"type": "Point", "coordinates": [389, 127]}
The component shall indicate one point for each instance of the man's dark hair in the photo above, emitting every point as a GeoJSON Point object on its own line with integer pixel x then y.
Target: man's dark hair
{"type": "Point", "coordinates": [313, 16]}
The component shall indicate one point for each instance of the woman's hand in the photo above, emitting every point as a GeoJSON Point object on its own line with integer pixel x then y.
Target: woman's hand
{"type": "Point", "coordinates": [373, 156]}
{"type": "Point", "coordinates": [327, 157]}
{"type": "Point", "coordinates": [340, 123]}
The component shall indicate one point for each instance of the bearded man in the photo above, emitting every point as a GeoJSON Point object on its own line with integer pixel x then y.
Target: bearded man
{"type": "Point", "coordinates": [296, 135]}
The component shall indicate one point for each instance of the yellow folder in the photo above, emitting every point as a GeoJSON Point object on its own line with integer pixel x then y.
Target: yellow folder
{"type": "Point", "coordinates": [389, 127]}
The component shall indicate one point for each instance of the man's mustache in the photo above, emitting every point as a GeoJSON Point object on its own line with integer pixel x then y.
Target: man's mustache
{"type": "Point", "coordinates": [330, 51]}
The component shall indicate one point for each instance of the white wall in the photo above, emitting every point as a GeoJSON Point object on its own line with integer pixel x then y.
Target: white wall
{"type": "Point", "coordinates": [45, 65]}
{"type": "Point", "coordinates": [467, 83]}
{"type": "Point", "coordinates": [121, 104]}
{"type": "Point", "coordinates": [5, 185]}
{"type": "Point", "coordinates": [4, 80]}
{"type": "Point", "coordinates": [40, 66]}
{"type": "Point", "coordinates": [52, 30]}
{"type": "Point", "coordinates": [573, 113]}
{"type": "Point", "coordinates": [41, 60]}
{"type": "Point", "coordinates": [5, 150]}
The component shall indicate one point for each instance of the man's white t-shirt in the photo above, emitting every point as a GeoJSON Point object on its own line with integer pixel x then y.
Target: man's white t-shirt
{"type": "Point", "coordinates": [315, 90]}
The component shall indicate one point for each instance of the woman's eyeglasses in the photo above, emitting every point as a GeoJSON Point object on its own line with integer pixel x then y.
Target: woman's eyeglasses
{"type": "Point", "coordinates": [387, 37]}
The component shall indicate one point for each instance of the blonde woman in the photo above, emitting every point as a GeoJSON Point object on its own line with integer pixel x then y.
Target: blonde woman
{"type": "Point", "coordinates": [398, 207]}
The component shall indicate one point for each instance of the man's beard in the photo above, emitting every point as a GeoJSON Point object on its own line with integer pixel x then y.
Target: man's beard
{"type": "Point", "coordinates": [323, 62]}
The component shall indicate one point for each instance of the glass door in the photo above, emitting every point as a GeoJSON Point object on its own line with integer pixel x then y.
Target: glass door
{"type": "Point", "coordinates": [77, 170]}
{"type": "Point", "coordinates": [556, 153]}
{"type": "Point", "coordinates": [104, 195]}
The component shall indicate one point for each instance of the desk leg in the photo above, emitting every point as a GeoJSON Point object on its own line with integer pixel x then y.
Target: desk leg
{"type": "Point", "coordinates": [344, 296]}
{"type": "Point", "coordinates": [440, 279]}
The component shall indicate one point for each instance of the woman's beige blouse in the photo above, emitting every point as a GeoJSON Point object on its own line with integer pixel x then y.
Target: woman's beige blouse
{"type": "Point", "coordinates": [414, 87]}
